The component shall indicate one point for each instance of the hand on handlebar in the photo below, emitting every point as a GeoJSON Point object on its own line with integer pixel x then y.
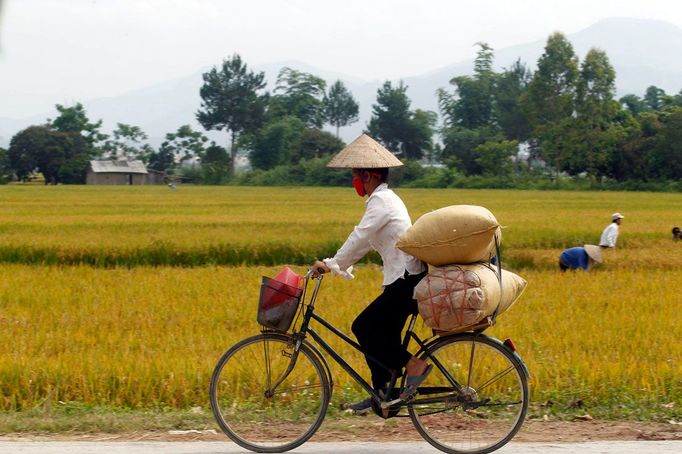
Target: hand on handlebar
{"type": "Point", "coordinates": [319, 267]}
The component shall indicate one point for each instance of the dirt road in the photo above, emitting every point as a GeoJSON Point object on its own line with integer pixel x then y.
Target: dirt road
{"type": "Point", "coordinates": [365, 435]}
{"type": "Point", "coordinates": [212, 447]}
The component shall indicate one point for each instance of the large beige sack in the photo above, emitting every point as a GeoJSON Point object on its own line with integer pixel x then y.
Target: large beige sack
{"type": "Point", "coordinates": [455, 297]}
{"type": "Point", "coordinates": [455, 234]}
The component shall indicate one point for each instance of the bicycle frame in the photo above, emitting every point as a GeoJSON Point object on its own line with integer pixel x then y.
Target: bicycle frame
{"type": "Point", "coordinates": [305, 329]}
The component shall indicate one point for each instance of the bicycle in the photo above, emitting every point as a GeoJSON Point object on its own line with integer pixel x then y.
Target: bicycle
{"type": "Point", "coordinates": [270, 392]}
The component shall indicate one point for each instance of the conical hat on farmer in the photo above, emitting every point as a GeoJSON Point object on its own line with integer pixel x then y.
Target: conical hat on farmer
{"type": "Point", "coordinates": [594, 252]}
{"type": "Point", "coordinates": [364, 153]}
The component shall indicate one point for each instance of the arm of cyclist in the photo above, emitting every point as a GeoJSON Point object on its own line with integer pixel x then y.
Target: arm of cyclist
{"type": "Point", "coordinates": [358, 242]}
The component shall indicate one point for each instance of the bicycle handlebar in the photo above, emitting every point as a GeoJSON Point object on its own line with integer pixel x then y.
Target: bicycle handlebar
{"type": "Point", "coordinates": [311, 271]}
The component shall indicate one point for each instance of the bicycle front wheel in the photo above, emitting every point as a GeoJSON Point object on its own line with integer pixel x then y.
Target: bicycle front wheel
{"type": "Point", "coordinates": [266, 397]}
{"type": "Point", "coordinates": [475, 399]}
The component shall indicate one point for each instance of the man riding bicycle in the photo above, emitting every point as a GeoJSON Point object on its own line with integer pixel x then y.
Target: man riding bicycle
{"type": "Point", "coordinates": [378, 327]}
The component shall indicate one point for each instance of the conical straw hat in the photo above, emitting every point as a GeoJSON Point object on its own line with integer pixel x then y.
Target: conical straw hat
{"type": "Point", "coordinates": [364, 153]}
{"type": "Point", "coordinates": [594, 252]}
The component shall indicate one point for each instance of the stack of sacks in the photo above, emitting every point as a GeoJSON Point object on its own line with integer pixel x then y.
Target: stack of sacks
{"type": "Point", "coordinates": [461, 291]}
{"type": "Point", "coordinates": [455, 297]}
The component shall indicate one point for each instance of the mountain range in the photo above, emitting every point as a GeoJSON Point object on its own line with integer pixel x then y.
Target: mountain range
{"type": "Point", "coordinates": [643, 53]}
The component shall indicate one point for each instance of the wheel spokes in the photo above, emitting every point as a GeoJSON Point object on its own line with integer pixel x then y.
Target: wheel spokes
{"type": "Point", "coordinates": [476, 399]}
{"type": "Point", "coordinates": [267, 399]}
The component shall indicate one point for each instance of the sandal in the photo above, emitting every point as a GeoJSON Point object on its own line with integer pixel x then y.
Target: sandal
{"type": "Point", "coordinates": [410, 390]}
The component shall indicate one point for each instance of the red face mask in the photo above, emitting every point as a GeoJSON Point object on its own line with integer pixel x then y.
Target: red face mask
{"type": "Point", "coordinates": [359, 186]}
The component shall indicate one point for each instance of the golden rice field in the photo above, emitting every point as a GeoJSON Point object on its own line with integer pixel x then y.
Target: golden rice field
{"type": "Point", "coordinates": [192, 226]}
{"type": "Point", "coordinates": [140, 336]}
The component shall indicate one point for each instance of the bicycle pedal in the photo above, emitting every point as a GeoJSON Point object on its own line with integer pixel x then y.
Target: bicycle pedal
{"type": "Point", "coordinates": [390, 403]}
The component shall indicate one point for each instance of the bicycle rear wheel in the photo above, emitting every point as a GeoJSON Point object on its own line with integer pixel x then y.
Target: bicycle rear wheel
{"type": "Point", "coordinates": [475, 399]}
{"type": "Point", "coordinates": [263, 401]}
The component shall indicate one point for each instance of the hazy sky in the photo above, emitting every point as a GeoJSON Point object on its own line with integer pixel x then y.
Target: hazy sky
{"type": "Point", "coordinates": [67, 50]}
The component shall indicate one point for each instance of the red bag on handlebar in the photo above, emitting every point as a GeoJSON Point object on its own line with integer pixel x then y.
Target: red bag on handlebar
{"type": "Point", "coordinates": [279, 299]}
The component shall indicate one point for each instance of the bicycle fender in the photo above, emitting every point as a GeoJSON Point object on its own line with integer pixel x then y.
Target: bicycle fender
{"type": "Point", "coordinates": [522, 363]}
{"type": "Point", "coordinates": [468, 335]}
{"type": "Point", "coordinates": [514, 353]}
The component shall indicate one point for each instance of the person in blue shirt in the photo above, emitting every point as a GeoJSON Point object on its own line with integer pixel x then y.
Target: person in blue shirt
{"type": "Point", "coordinates": [580, 257]}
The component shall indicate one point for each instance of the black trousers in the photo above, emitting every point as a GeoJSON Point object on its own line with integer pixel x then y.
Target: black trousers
{"type": "Point", "coordinates": [378, 328]}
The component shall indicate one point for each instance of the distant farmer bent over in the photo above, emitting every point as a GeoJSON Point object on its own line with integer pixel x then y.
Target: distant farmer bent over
{"type": "Point", "coordinates": [580, 258]}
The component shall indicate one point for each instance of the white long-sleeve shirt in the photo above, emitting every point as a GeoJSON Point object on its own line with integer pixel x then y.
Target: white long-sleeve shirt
{"type": "Point", "coordinates": [385, 219]}
{"type": "Point", "coordinates": [609, 236]}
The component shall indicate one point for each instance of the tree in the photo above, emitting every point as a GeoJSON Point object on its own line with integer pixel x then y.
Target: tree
{"type": "Point", "coordinates": [666, 159]}
{"type": "Point", "coordinates": [591, 136]}
{"type": "Point", "coordinates": [631, 162]}
{"type": "Point", "coordinates": [460, 147]}
{"type": "Point", "coordinates": [550, 97]}
{"type": "Point", "coordinates": [71, 143]}
{"type": "Point", "coordinates": [596, 88]}
{"type": "Point", "coordinates": [24, 149]}
{"type": "Point", "coordinates": [128, 143]}
{"type": "Point", "coordinates": [549, 101]}
{"type": "Point", "coordinates": [340, 109]}
{"type": "Point", "coordinates": [185, 144]}
{"type": "Point", "coordinates": [65, 158]}
{"type": "Point", "coordinates": [677, 99]}
{"type": "Point", "coordinates": [61, 157]}
{"type": "Point", "coordinates": [215, 154]}
{"type": "Point", "coordinates": [316, 143]}
{"type": "Point", "coordinates": [300, 95]}
{"type": "Point", "coordinates": [5, 167]}
{"type": "Point", "coordinates": [480, 105]}
{"type": "Point", "coordinates": [232, 100]}
{"type": "Point", "coordinates": [495, 158]}
{"type": "Point", "coordinates": [471, 105]}
{"type": "Point", "coordinates": [277, 142]}
{"type": "Point", "coordinates": [634, 104]}
{"type": "Point", "coordinates": [402, 131]}
{"type": "Point", "coordinates": [390, 116]}
{"type": "Point", "coordinates": [215, 164]}
{"type": "Point", "coordinates": [654, 97]}
{"type": "Point", "coordinates": [75, 119]}
{"type": "Point", "coordinates": [510, 117]}
{"type": "Point", "coordinates": [588, 147]}
{"type": "Point", "coordinates": [77, 155]}
{"type": "Point", "coordinates": [418, 137]}
{"type": "Point", "coordinates": [162, 160]}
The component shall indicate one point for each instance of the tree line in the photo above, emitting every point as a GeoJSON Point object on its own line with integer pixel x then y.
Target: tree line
{"type": "Point", "coordinates": [504, 128]}
{"type": "Point", "coordinates": [282, 127]}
